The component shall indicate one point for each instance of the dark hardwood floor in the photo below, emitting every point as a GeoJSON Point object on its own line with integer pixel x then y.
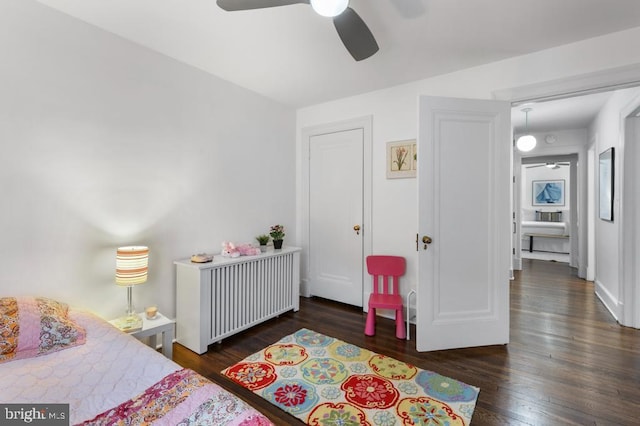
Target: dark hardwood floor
{"type": "Point", "coordinates": [568, 361]}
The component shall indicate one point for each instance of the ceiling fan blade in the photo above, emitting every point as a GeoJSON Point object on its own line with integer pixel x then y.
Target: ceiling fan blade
{"type": "Point", "coordinates": [355, 34]}
{"type": "Point", "coordinates": [234, 5]}
{"type": "Point", "coordinates": [537, 165]}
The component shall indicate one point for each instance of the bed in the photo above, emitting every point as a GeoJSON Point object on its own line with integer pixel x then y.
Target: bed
{"type": "Point", "coordinates": [107, 376]}
{"type": "Point", "coordinates": [548, 228]}
{"type": "Point", "coordinates": [548, 232]}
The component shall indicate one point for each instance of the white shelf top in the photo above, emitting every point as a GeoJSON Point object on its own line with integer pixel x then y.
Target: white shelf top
{"type": "Point", "coordinates": [219, 260]}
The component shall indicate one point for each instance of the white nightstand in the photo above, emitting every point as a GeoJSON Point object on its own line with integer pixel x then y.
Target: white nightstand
{"type": "Point", "coordinates": [151, 328]}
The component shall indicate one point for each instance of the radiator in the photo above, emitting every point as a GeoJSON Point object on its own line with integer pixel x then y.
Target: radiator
{"type": "Point", "coordinates": [218, 299]}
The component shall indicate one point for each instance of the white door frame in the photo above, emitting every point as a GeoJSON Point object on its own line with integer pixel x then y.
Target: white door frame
{"type": "Point", "coordinates": [366, 124]}
{"type": "Point", "coordinates": [591, 209]}
{"type": "Point", "coordinates": [516, 213]}
{"type": "Point", "coordinates": [629, 234]}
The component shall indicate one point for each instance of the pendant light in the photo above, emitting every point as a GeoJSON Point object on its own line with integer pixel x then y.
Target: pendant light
{"type": "Point", "coordinates": [526, 142]}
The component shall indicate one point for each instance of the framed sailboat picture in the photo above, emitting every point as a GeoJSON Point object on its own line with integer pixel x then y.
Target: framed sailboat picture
{"type": "Point", "coordinates": [548, 193]}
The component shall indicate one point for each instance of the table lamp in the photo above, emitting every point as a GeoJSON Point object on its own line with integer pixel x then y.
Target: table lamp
{"type": "Point", "coordinates": [131, 269]}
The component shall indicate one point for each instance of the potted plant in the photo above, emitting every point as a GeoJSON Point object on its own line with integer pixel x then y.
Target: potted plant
{"type": "Point", "coordinates": [263, 240]}
{"type": "Point", "coordinates": [277, 234]}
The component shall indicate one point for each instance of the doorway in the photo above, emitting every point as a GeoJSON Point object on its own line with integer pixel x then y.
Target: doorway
{"type": "Point", "coordinates": [611, 266]}
{"type": "Point", "coordinates": [561, 127]}
{"type": "Point", "coordinates": [548, 228]}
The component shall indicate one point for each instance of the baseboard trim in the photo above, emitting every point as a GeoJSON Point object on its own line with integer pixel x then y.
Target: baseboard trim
{"type": "Point", "coordinates": [607, 299]}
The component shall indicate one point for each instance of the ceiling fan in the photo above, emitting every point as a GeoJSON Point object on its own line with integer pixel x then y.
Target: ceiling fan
{"type": "Point", "coordinates": [353, 32]}
{"type": "Point", "coordinates": [550, 165]}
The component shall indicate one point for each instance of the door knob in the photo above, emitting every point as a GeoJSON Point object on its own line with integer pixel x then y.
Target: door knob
{"type": "Point", "coordinates": [357, 229]}
{"type": "Point", "coordinates": [426, 240]}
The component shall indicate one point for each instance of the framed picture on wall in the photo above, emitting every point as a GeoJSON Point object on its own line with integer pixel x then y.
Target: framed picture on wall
{"type": "Point", "coordinates": [402, 159]}
{"type": "Point", "coordinates": [547, 192]}
{"type": "Point", "coordinates": [605, 180]}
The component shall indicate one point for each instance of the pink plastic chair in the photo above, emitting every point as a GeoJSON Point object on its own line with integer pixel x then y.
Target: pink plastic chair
{"type": "Point", "coordinates": [386, 294]}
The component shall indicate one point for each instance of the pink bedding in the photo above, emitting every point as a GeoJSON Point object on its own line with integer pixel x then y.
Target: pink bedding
{"type": "Point", "coordinates": [115, 379]}
{"type": "Point", "coordinates": [35, 326]}
{"type": "Point", "coordinates": [182, 398]}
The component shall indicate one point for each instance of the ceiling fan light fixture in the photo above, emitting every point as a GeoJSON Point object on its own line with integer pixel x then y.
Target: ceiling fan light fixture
{"type": "Point", "coordinates": [329, 8]}
{"type": "Point", "coordinates": [552, 166]}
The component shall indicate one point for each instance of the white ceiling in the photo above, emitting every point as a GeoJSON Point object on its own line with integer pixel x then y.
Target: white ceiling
{"type": "Point", "coordinates": [295, 57]}
{"type": "Point", "coordinates": [562, 114]}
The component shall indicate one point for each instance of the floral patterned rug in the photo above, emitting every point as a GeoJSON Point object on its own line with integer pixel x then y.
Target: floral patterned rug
{"type": "Point", "coordinates": [325, 381]}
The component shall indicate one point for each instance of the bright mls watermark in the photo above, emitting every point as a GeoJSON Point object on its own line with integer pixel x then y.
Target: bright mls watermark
{"type": "Point", "coordinates": [34, 414]}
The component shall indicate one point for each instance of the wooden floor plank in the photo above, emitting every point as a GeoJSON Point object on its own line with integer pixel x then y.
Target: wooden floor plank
{"type": "Point", "coordinates": [568, 361]}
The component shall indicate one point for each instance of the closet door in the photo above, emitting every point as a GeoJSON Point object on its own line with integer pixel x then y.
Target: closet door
{"type": "Point", "coordinates": [335, 209]}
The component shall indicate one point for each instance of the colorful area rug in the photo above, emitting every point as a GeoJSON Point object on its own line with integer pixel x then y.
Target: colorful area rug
{"type": "Point", "coordinates": [325, 381]}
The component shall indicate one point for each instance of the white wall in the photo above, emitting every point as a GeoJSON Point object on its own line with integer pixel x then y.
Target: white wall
{"type": "Point", "coordinates": [394, 112]}
{"type": "Point", "coordinates": [104, 143]}
{"type": "Point", "coordinates": [606, 130]}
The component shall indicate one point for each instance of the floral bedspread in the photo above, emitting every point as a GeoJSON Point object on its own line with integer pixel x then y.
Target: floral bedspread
{"type": "Point", "coordinates": [182, 398]}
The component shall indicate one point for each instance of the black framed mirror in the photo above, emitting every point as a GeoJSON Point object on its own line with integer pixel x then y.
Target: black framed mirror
{"type": "Point", "coordinates": [606, 182]}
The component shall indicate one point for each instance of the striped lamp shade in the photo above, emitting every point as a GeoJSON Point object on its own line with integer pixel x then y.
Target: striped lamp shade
{"type": "Point", "coordinates": [131, 265]}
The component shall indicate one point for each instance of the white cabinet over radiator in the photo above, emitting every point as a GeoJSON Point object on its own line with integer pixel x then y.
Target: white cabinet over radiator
{"type": "Point", "coordinates": [217, 299]}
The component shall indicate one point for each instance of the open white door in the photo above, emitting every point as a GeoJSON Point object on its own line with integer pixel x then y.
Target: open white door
{"type": "Point", "coordinates": [464, 158]}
